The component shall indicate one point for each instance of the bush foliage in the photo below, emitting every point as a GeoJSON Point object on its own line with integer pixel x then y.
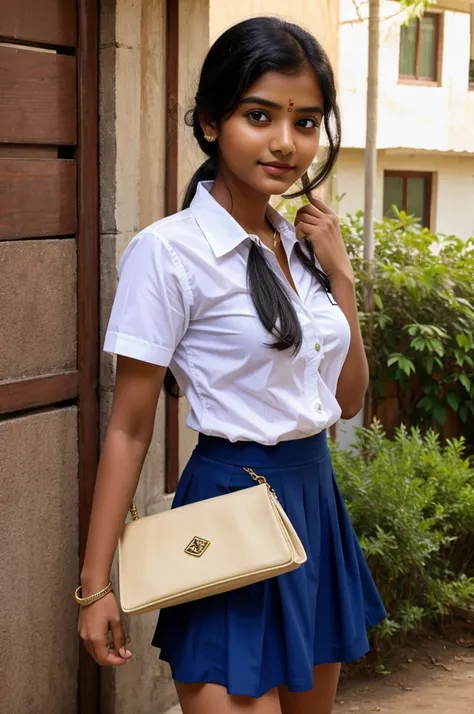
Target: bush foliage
{"type": "Point", "coordinates": [423, 317]}
{"type": "Point", "coordinates": [411, 501]}
{"type": "Point", "coordinates": [420, 333]}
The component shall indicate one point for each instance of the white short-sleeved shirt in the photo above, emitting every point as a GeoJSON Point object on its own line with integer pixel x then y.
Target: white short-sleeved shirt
{"type": "Point", "coordinates": [183, 301]}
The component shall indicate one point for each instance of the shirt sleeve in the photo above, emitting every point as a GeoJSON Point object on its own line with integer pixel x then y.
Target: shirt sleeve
{"type": "Point", "coordinates": [150, 312]}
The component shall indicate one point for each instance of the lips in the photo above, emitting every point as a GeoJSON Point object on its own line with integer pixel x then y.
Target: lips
{"type": "Point", "coordinates": [276, 168]}
{"type": "Point", "coordinates": [277, 165]}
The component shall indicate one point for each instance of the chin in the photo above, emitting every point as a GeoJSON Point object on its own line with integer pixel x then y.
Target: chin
{"type": "Point", "coordinates": [273, 186]}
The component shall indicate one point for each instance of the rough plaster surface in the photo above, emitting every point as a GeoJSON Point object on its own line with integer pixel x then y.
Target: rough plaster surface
{"type": "Point", "coordinates": [39, 569]}
{"type": "Point", "coordinates": [37, 307]}
{"type": "Point", "coordinates": [133, 182]}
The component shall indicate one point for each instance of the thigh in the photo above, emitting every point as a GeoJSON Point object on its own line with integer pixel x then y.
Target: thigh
{"type": "Point", "coordinates": [320, 700]}
{"type": "Point", "coordinates": [206, 698]}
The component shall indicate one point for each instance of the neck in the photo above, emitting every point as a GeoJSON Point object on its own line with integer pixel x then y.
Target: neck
{"type": "Point", "coordinates": [244, 203]}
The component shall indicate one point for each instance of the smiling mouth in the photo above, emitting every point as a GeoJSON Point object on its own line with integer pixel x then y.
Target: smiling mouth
{"type": "Point", "coordinates": [276, 168]}
{"type": "Point", "coordinates": [277, 165]}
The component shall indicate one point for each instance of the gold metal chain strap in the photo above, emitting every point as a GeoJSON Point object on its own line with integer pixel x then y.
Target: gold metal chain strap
{"type": "Point", "coordinates": [260, 479]}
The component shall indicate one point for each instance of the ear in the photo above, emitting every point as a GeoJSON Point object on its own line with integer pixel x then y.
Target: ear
{"type": "Point", "coordinates": [209, 129]}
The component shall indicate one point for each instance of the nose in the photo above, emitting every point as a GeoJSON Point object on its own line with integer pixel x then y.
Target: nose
{"type": "Point", "coordinates": [283, 140]}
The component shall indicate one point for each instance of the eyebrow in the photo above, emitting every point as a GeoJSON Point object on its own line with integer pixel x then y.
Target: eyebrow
{"type": "Point", "coordinates": [274, 105]}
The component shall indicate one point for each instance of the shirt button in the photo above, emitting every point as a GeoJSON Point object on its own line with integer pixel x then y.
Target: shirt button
{"type": "Point", "coordinates": [317, 346]}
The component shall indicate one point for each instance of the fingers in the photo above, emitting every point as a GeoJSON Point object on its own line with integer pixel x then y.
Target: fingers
{"type": "Point", "coordinates": [317, 203]}
{"type": "Point", "coordinates": [105, 656]}
{"type": "Point", "coordinates": [120, 639]}
{"type": "Point", "coordinates": [304, 229]}
{"type": "Point", "coordinates": [115, 655]}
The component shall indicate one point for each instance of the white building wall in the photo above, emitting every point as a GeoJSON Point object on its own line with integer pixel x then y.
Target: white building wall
{"type": "Point", "coordinates": [412, 116]}
{"type": "Point", "coordinates": [453, 186]}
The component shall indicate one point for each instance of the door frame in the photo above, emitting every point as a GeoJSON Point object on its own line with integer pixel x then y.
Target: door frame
{"type": "Point", "coordinates": [88, 276]}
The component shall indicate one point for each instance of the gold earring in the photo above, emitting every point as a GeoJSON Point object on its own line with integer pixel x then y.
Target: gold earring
{"type": "Point", "coordinates": [210, 138]}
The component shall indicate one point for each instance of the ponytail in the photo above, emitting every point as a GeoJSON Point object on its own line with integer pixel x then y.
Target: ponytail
{"type": "Point", "coordinates": [206, 172]}
{"type": "Point", "coordinates": [271, 300]}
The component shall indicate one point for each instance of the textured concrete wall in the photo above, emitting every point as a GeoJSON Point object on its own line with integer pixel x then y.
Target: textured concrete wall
{"type": "Point", "coordinates": [133, 105]}
{"type": "Point", "coordinates": [37, 307]}
{"type": "Point", "coordinates": [39, 563]}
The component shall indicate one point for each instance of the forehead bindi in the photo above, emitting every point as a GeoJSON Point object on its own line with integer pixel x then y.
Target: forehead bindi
{"type": "Point", "coordinates": [288, 90]}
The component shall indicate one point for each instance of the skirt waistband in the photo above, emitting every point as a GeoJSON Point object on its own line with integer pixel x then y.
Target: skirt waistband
{"type": "Point", "coordinates": [249, 453]}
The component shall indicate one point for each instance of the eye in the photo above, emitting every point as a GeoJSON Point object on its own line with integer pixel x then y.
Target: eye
{"type": "Point", "coordinates": [258, 116]}
{"type": "Point", "coordinates": [308, 123]}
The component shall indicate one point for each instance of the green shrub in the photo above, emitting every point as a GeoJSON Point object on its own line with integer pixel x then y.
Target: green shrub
{"type": "Point", "coordinates": [423, 319]}
{"type": "Point", "coordinates": [411, 501]}
{"type": "Point", "coordinates": [421, 332]}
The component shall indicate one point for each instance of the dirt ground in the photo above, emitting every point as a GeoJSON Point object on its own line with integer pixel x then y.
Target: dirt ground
{"type": "Point", "coordinates": [432, 673]}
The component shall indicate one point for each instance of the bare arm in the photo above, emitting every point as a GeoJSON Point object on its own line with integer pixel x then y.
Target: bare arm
{"type": "Point", "coordinates": [354, 377]}
{"type": "Point", "coordinates": [318, 223]}
{"type": "Point", "coordinates": [137, 388]}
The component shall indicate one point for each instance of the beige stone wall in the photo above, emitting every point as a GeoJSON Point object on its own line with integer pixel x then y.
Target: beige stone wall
{"type": "Point", "coordinates": [39, 544]}
{"type": "Point", "coordinates": [39, 547]}
{"type": "Point", "coordinates": [133, 102]}
{"type": "Point", "coordinates": [38, 334]}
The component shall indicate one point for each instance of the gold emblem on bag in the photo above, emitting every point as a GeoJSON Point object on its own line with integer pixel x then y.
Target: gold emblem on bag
{"type": "Point", "coordinates": [197, 546]}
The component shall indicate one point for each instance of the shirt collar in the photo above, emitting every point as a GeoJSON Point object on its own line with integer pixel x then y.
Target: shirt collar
{"type": "Point", "coordinates": [222, 231]}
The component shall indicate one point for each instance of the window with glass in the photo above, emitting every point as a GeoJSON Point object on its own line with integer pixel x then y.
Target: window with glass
{"type": "Point", "coordinates": [409, 191]}
{"type": "Point", "coordinates": [420, 49]}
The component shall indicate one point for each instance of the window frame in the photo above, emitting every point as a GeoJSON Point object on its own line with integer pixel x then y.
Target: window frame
{"type": "Point", "coordinates": [416, 78]}
{"type": "Point", "coordinates": [405, 175]}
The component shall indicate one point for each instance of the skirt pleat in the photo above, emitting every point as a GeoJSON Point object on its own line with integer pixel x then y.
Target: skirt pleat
{"type": "Point", "coordinates": [273, 633]}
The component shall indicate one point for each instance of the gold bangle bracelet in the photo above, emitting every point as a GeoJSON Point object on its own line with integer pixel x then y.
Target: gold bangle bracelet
{"type": "Point", "coordinates": [85, 601]}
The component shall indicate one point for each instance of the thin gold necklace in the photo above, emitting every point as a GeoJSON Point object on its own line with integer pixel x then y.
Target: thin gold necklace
{"type": "Point", "coordinates": [275, 233]}
{"type": "Point", "coordinates": [275, 241]}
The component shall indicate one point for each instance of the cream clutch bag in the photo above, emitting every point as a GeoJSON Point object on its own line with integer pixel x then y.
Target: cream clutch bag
{"type": "Point", "coordinates": [205, 548]}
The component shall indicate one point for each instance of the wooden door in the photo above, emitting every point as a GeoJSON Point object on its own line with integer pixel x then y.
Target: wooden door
{"type": "Point", "coordinates": [49, 257]}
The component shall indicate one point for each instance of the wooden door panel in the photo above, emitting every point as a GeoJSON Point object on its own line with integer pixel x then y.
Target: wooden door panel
{"type": "Point", "coordinates": [51, 22]}
{"type": "Point", "coordinates": [37, 198]}
{"type": "Point", "coordinates": [39, 102]}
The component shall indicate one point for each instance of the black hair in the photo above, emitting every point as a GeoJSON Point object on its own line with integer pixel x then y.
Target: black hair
{"type": "Point", "coordinates": [238, 58]}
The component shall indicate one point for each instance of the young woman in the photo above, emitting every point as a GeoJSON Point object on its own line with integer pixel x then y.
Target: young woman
{"type": "Point", "coordinates": [257, 319]}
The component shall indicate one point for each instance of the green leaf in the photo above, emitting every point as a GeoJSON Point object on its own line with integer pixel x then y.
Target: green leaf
{"type": "Point", "coordinates": [378, 301]}
{"type": "Point", "coordinates": [439, 413]}
{"type": "Point", "coordinates": [465, 381]}
{"type": "Point", "coordinates": [406, 365]}
{"type": "Point", "coordinates": [453, 400]}
{"type": "Point", "coordinates": [393, 358]}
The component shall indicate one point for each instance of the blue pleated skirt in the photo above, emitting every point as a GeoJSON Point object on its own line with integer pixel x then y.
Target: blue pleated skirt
{"type": "Point", "coordinates": [273, 633]}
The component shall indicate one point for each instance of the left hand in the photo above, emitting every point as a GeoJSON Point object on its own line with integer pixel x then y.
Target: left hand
{"type": "Point", "coordinates": [321, 226]}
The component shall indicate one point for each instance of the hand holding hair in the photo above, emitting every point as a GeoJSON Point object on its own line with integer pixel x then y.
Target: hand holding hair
{"type": "Point", "coordinates": [320, 225]}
